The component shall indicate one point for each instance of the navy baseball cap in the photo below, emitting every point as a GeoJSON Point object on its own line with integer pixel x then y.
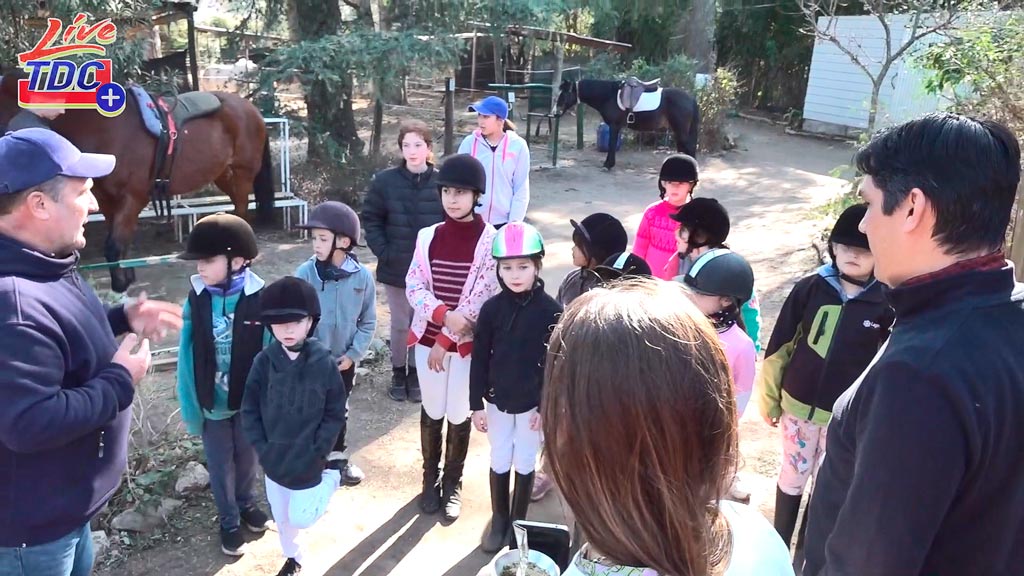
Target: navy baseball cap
{"type": "Point", "coordinates": [32, 156]}
{"type": "Point", "coordinates": [492, 106]}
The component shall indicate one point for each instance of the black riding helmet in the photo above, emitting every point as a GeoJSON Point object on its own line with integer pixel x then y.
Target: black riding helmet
{"type": "Point", "coordinates": [289, 299]}
{"type": "Point", "coordinates": [722, 272]}
{"type": "Point", "coordinates": [623, 264]}
{"type": "Point", "coordinates": [847, 231]}
{"type": "Point", "coordinates": [599, 236]}
{"type": "Point", "coordinates": [704, 217]}
{"type": "Point", "coordinates": [677, 168]}
{"type": "Point", "coordinates": [220, 234]}
{"type": "Point", "coordinates": [462, 171]}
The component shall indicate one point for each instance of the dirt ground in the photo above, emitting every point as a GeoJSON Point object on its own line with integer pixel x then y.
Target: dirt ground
{"type": "Point", "coordinates": [771, 185]}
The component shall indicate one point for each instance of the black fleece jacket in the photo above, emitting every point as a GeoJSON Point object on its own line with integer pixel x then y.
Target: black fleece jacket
{"type": "Point", "coordinates": [509, 346]}
{"type": "Point", "coordinates": [292, 412]}
{"type": "Point", "coordinates": [397, 206]}
{"type": "Point", "coordinates": [924, 465]}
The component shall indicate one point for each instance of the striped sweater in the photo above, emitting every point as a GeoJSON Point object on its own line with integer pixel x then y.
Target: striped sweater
{"type": "Point", "coordinates": [452, 269]}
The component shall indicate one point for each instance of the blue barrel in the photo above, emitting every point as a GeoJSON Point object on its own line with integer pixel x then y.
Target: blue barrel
{"type": "Point", "coordinates": [603, 135]}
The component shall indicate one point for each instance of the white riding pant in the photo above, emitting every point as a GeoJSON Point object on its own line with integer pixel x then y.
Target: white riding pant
{"type": "Point", "coordinates": [445, 393]}
{"type": "Point", "coordinates": [512, 441]}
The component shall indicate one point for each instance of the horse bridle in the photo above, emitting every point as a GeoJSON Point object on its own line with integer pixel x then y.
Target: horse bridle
{"type": "Point", "coordinates": [575, 90]}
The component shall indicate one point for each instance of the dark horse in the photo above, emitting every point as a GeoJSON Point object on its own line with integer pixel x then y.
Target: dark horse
{"type": "Point", "coordinates": [678, 111]}
{"type": "Point", "coordinates": [228, 147]}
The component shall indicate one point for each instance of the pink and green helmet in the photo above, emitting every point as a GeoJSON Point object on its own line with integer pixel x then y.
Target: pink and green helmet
{"type": "Point", "coordinates": [517, 240]}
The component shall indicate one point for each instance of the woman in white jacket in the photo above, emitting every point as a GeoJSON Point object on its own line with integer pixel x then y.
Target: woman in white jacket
{"type": "Point", "coordinates": [506, 160]}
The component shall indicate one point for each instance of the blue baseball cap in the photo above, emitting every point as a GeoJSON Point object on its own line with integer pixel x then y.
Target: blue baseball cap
{"type": "Point", "coordinates": [492, 106]}
{"type": "Point", "coordinates": [32, 156]}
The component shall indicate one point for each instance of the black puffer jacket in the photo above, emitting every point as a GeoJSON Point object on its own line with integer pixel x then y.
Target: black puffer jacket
{"type": "Point", "coordinates": [509, 347]}
{"type": "Point", "coordinates": [398, 205]}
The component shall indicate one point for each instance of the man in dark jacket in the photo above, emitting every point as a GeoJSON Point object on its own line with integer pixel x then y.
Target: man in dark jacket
{"type": "Point", "coordinates": [923, 471]}
{"type": "Point", "coordinates": [66, 387]}
{"type": "Point", "coordinates": [398, 205]}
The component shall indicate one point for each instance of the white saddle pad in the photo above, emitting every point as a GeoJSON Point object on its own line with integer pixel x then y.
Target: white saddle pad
{"type": "Point", "coordinates": [649, 101]}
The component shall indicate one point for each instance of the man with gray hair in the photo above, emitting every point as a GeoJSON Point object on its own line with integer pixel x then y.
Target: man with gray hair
{"type": "Point", "coordinates": [66, 386]}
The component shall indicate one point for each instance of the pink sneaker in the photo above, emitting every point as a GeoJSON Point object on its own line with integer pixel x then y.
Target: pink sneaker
{"type": "Point", "coordinates": [542, 484]}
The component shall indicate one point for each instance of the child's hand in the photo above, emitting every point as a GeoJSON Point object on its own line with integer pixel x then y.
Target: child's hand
{"type": "Point", "coordinates": [480, 420]}
{"type": "Point", "coordinates": [773, 422]}
{"type": "Point", "coordinates": [435, 361]}
{"type": "Point", "coordinates": [535, 422]}
{"type": "Point", "coordinates": [344, 363]}
{"type": "Point", "coordinates": [458, 324]}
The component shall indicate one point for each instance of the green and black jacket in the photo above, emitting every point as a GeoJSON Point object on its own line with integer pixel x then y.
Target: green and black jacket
{"type": "Point", "coordinates": [821, 343]}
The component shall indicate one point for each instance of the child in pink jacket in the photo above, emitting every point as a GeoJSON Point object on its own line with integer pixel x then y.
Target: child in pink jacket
{"type": "Point", "coordinates": [656, 236]}
{"type": "Point", "coordinates": [451, 275]}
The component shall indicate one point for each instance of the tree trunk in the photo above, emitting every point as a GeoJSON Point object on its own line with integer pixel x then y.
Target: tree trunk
{"type": "Point", "coordinates": [700, 35]}
{"type": "Point", "coordinates": [332, 124]}
{"type": "Point", "coordinates": [556, 78]}
{"type": "Point", "coordinates": [499, 55]}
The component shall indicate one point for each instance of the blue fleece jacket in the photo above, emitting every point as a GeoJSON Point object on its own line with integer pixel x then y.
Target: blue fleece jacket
{"type": "Point", "coordinates": [65, 409]}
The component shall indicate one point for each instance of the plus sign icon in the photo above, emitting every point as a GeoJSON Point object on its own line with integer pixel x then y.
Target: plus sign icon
{"type": "Point", "coordinates": [57, 82]}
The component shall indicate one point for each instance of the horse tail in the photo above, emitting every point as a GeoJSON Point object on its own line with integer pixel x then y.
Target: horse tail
{"type": "Point", "coordinates": [263, 185]}
{"type": "Point", "coordinates": [694, 136]}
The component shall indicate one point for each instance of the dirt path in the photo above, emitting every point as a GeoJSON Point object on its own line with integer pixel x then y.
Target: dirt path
{"type": "Point", "coordinates": [770, 186]}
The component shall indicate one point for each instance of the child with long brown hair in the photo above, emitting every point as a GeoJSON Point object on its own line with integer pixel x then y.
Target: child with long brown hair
{"type": "Point", "coordinates": [639, 420]}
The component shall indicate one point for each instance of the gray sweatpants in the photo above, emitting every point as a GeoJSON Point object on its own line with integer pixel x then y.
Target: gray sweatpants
{"type": "Point", "coordinates": [401, 320]}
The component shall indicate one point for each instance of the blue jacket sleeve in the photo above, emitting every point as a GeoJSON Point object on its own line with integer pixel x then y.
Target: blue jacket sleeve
{"type": "Point", "coordinates": [118, 320]}
{"type": "Point", "coordinates": [38, 413]}
{"type": "Point", "coordinates": [480, 365]}
{"type": "Point", "coordinates": [366, 324]}
{"type": "Point", "coordinates": [334, 411]}
{"type": "Point", "coordinates": [191, 412]}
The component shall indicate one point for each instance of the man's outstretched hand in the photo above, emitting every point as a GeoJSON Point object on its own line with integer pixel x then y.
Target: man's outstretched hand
{"type": "Point", "coordinates": [152, 318]}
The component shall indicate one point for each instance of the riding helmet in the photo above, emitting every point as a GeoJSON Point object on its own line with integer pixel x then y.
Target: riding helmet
{"type": "Point", "coordinates": [336, 217]}
{"type": "Point", "coordinates": [220, 234]}
{"type": "Point", "coordinates": [599, 236]}
{"type": "Point", "coordinates": [462, 171]}
{"type": "Point", "coordinates": [677, 168]}
{"type": "Point", "coordinates": [289, 299]}
{"type": "Point", "coordinates": [722, 272]}
{"type": "Point", "coordinates": [704, 217]}
{"type": "Point", "coordinates": [847, 229]}
{"type": "Point", "coordinates": [517, 240]}
{"type": "Point", "coordinates": [623, 264]}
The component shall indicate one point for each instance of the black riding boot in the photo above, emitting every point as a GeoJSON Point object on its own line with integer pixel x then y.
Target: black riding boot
{"type": "Point", "coordinates": [497, 534]}
{"type": "Point", "coordinates": [457, 446]}
{"type": "Point", "coordinates": [520, 503]}
{"type": "Point", "coordinates": [787, 508]}
{"type": "Point", "coordinates": [430, 440]}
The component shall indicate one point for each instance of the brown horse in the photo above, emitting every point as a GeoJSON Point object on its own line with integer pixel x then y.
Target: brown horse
{"type": "Point", "coordinates": [229, 148]}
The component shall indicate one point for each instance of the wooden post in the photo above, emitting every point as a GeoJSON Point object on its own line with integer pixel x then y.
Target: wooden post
{"type": "Point", "coordinates": [193, 62]}
{"type": "Point", "coordinates": [1017, 240]}
{"type": "Point", "coordinates": [378, 124]}
{"type": "Point", "coordinates": [449, 116]}
{"type": "Point", "coordinates": [472, 63]}
{"type": "Point", "coordinates": [556, 78]}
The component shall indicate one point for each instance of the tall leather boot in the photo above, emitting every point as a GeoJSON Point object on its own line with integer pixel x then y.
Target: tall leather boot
{"type": "Point", "coordinates": [787, 507]}
{"type": "Point", "coordinates": [798, 553]}
{"type": "Point", "coordinates": [430, 441]}
{"type": "Point", "coordinates": [496, 535]}
{"type": "Point", "coordinates": [520, 503]}
{"type": "Point", "coordinates": [457, 446]}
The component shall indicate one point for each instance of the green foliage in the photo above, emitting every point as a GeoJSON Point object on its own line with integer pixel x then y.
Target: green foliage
{"type": "Point", "coordinates": [649, 25]}
{"type": "Point", "coordinates": [982, 56]}
{"type": "Point", "coordinates": [385, 56]}
{"type": "Point", "coordinates": [716, 99]}
{"type": "Point", "coordinates": [767, 48]}
{"type": "Point", "coordinates": [677, 71]}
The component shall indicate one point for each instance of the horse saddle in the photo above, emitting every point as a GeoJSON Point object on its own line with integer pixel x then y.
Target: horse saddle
{"type": "Point", "coordinates": [635, 95]}
{"type": "Point", "coordinates": [162, 120]}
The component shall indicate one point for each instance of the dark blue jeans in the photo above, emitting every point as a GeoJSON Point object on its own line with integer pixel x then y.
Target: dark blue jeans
{"type": "Point", "coordinates": [71, 555]}
{"type": "Point", "coordinates": [231, 462]}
